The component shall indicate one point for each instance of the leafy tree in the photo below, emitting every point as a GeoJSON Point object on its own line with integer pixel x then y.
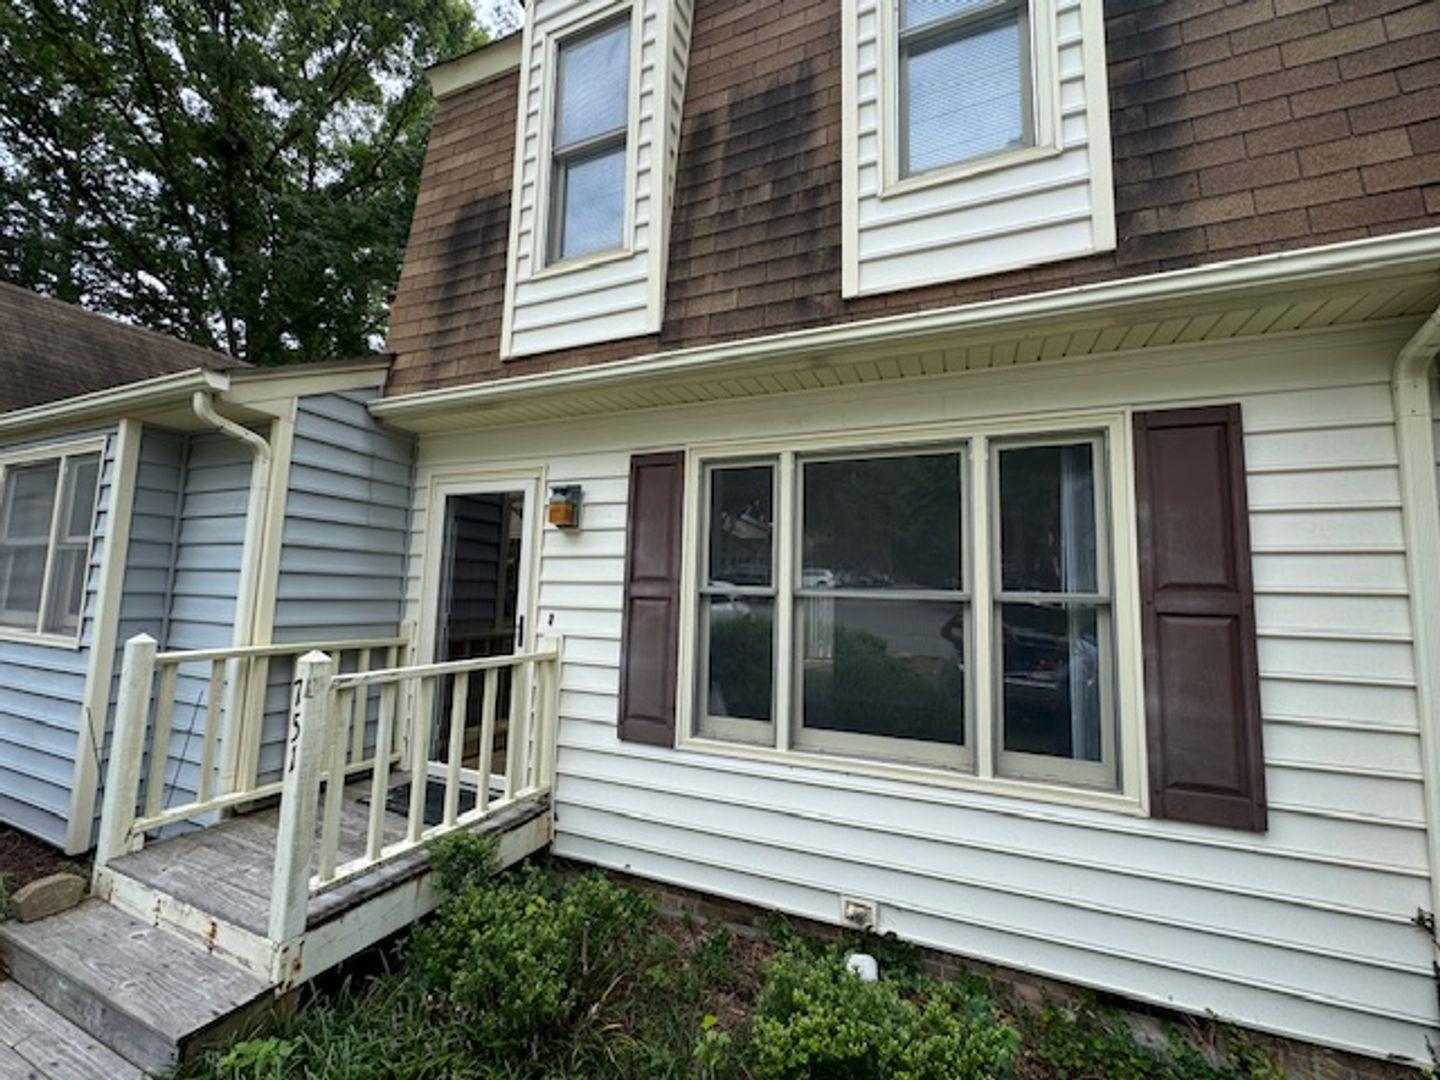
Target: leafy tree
{"type": "Point", "coordinates": [239, 173]}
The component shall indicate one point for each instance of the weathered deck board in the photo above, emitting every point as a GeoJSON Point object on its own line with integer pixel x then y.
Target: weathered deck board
{"type": "Point", "coordinates": [144, 992]}
{"type": "Point", "coordinates": [37, 1043]}
{"type": "Point", "coordinates": [226, 870]}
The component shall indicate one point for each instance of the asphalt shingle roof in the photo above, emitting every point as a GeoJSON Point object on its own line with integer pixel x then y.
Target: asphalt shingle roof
{"type": "Point", "coordinates": [51, 350]}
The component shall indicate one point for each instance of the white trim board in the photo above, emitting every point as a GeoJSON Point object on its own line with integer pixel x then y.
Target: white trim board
{"type": "Point", "coordinates": [95, 710]}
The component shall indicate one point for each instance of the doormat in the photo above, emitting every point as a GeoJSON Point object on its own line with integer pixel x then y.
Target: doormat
{"type": "Point", "coordinates": [397, 800]}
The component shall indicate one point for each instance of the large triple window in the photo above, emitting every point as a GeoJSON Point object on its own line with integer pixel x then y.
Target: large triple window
{"type": "Point", "coordinates": [945, 605]}
{"type": "Point", "coordinates": [965, 84]}
{"type": "Point", "coordinates": [588, 149]}
{"type": "Point", "coordinates": [47, 510]}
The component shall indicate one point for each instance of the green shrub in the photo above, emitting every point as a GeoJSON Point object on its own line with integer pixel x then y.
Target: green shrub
{"type": "Point", "coordinates": [1088, 1041]}
{"type": "Point", "coordinates": [525, 956]}
{"type": "Point", "coordinates": [817, 1021]}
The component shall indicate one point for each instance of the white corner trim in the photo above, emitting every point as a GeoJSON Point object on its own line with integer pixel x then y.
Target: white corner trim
{"type": "Point", "coordinates": [109, 593]}
{"type": "Point", "coordinates": [1395, 254]}
{"type": "Point", "coordinates": [1414, 427]}
{"type": "Point", "coordinates": [489, 62]}
{"type": "Point", "coordinates": [117, 401]}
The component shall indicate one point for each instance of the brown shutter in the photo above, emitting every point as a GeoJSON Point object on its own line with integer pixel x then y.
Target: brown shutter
{"type": "Point", "coordinates": [1202, 686]}
{"type": "Point", "coordinates": [650, 636]}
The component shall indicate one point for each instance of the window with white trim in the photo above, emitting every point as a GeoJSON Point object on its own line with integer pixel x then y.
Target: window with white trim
{"type": "Point", "coordinates": [858, 602]}
{"type": "Point", "coordinates": [588, 151]}
{"type": "Point", "coordinates": [47, 511]}
{"type": "Point", "coordinates": [965, 87]}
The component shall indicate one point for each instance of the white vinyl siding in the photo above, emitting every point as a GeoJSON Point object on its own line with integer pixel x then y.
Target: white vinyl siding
{"type": "Point", "coordinates": [619, 291]}
{"type": "Point", "coordinates": [1049, 197]}
{"type": "Point", "coordinates": [1305, 930]}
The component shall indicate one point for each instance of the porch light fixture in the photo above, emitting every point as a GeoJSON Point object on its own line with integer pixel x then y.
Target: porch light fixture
{"type": "Point", "coordinates": [563, 510]}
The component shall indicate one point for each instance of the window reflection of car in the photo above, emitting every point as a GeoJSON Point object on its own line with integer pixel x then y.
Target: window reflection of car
{"type": "Point", "coordinates": [727, 606]}
{"type": "Point", "coordinates": [1038, 686]}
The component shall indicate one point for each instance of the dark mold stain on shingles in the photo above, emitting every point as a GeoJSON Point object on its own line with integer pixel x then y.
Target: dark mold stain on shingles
{"type": "Point", "coordinates": [756, 206]}
{"type": "Point", "coordinates": [472, 253]}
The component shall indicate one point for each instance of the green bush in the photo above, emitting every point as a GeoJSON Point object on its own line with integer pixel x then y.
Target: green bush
{"type": "Point", "coordinates": [1087, 1041]}
{"type": "Point", "coordinates": [525, 956]}
{"type": "Point", "coordinates": [817, 1021]}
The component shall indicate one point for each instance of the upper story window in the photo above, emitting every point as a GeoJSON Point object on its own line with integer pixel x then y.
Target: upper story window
{"type": "Point", "coordinates": [597, 124]}
{"type": "Point", "coordinates": [965, 88]}
{"type": "Point", "coordinates": [588, 155]}
{"type": "Point", "coordinates": [975, 139]}
{"type": "Point", "coordinates": [47, 510]}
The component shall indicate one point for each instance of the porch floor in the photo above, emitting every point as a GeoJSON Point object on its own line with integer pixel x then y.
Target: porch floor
{"type": "Point", "coordinates": [226, 870]}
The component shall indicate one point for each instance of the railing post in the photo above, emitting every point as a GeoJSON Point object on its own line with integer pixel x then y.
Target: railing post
{"type": "Point", "coordinates": [127, 747]}
{"type": "Point", "coordinates": [547, 739]}
{"type": "Point", "coordinates": [304, 761]}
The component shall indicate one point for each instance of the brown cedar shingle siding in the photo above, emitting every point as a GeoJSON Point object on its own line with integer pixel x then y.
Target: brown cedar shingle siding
{"type": "Point", "coordinates": [51, 350]}
{"type": "Point", "coordinates": [1238, 128]}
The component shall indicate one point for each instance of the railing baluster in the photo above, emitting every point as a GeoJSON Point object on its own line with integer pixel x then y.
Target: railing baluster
{"type": "Point", "coordinates": [160, 743]}
{"type": "Point", "coordinates": [357, 723]}
{"type": "Point", "coordinates": [380, 778]}
{"type": "Point", "coordinates": [337, 713]}
{"type": "Point", "coordinates": [214, 710]}
{"type": "Point", "coordinates": [489, 695]}
{"type": "Point", "coordinates": [459, 701]}
{"type": "Point", "coordinates": [419, 755]}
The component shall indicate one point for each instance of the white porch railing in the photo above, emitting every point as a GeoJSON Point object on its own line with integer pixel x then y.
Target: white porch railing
{"type": "Point", "coordinates": [325, 713]}
{"type": "Point", "coordinates": [332, 735]}
{"type": "Point", "coordinates": [227, 774]}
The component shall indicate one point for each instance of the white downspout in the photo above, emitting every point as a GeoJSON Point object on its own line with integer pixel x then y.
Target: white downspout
{"type": "Point", "coordinates": [1415, 442]}
{"type": "Point", "coordinates": [245, 593]}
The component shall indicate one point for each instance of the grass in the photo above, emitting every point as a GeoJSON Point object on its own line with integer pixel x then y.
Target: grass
{"type": "Point", "coordinates": [538, 975]}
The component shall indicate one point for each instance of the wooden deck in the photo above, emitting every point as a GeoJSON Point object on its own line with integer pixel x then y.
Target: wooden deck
{"type": "Point", "coordinates": [227, 869]}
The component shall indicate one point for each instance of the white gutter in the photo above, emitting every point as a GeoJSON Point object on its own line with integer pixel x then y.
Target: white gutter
{"type": "Point", "coordinates": [1414, 436]}
{"type": "Point", "coordinates": [115, 402]}
{"type": "Point", "coordinates": [246, 588]}
{"type": "Point", "coordinates": [1304, 269]}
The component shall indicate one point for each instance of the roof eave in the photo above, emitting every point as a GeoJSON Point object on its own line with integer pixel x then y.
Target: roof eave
{"type": "Point", "coordinates": [1306, 268]}
{"type": "Point", "coordinates": [114, 403]}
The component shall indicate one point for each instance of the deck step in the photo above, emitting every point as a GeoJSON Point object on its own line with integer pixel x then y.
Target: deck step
{"type": "Point", "coordinates": [37, 1043]}
{"type": "Point", "coordinates": [151, 996]}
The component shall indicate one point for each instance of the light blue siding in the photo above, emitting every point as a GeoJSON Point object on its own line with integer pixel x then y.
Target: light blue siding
{"type": "Point", "coordinates": [203, 581]}
{"type": "Point", "coordinates": [150, 560]}
{"type": "Point", "coordinates": [342, 563]}
{"type": "Point", "coordinates": [42, 691]}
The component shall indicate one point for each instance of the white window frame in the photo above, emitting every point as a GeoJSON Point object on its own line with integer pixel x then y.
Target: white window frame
{"type": "Point", "coordinates": [544, 242]}
{"type": "Point", "coordinates": [1041, 66]}
{"type": "Point", "coordinates": [984, 771]}
{"type": "Point", "coordinates": [61, 453]}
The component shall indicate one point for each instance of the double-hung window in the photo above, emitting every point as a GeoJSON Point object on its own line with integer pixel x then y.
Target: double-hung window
{"type": "Point", "coordinates": [47, 510]}
{"type": "Point", "coordinates": [965, 83]}
{"type": "Point", "coordinates": [859, 603]}
{"type": "Point", "coordinates": [589, 142]}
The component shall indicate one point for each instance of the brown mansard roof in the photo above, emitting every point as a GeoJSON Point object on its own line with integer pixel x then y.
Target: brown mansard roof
{"type": "Point", "coordinates": [1235, 133]}
{"type": "Point", "coordinates": [51, 350]}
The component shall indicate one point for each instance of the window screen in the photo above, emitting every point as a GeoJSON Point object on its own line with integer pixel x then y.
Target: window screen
{"type": "Point", "coordinates": [588, 154]}
{"type": "Point", "coordinates": [46, 512]}
{"type": "Point", "coordinates": [964, 81]}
